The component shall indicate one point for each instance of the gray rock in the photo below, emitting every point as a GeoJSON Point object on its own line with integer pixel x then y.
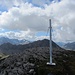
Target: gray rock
{"type": "Point", "coordinates": [18, 64]}
{"type": "Point", "coordinates": [20, 71]}
{"type": "Point", "coordinates": [31, 71]}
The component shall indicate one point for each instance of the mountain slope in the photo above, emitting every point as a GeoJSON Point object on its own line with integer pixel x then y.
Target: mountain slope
{"type": "Point", "coordinates": [10, 49]}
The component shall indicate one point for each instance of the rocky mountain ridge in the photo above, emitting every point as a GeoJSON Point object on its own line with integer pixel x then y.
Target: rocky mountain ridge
{"type": "Point", "coordinates": [8, 48]}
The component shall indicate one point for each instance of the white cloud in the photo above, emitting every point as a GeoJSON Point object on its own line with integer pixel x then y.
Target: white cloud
{"type": "Point", "coordinates": [18, 35]}
{"type": "Point", "coordinates": [26, 16]}
{"type": "Point", "coordinates": [10, 3]}
{"type": "Point", "coordinates": [41, 37]}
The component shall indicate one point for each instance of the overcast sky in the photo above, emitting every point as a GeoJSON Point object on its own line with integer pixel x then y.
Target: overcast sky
{"type": "Point", "coordinates": [29, 19]}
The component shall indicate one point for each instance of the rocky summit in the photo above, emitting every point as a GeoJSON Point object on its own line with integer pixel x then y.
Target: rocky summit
{"type": "Point", "coordinates": [33, 58]}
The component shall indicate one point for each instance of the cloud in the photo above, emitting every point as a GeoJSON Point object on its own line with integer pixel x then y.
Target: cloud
{"type": "Point", "coordinates": [10, 3]}
{"type": "Point", "coordinates": [18, 35]}
{"type": "Point", "coordinates": [24, 16]}
{"type": "Point", "coordinates": [41, 37]}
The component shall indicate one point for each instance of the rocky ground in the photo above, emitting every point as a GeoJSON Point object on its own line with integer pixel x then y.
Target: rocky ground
{"type": "Point", "coordinates": [24, 63]}
{"type": "Point", "coordinates": [33, 62]}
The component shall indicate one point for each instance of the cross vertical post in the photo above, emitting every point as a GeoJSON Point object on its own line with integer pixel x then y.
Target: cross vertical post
{"type": "Point", "coordinates": [50, 48]}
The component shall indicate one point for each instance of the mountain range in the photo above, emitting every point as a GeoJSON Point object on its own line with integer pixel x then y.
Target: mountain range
{"type": "Point", "coordinates": [70, 46]}
{"type": "Point", "coordinates": [21, 42]}
{"type": "Point", "coordinates": [13, 41]}
{"type": "Point", "coordinates": [9, 48]}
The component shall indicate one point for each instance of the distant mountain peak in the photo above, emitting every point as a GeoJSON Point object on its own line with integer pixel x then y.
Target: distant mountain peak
{"type": "Point", "coordinates": [70, 46]}
{"type": "Point", "coordinates": [13, 41]}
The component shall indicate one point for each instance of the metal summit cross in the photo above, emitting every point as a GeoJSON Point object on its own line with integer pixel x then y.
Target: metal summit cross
{"type": "Point", "coordinates": [50, 62]}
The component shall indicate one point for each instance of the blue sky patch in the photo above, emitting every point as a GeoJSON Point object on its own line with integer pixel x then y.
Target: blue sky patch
{"type": "Point", "coordinates": [2, 8]}
{"type": "Point", "coordinates": [41, 34]}
{"type": "Point", "coordinates": [7, 30]}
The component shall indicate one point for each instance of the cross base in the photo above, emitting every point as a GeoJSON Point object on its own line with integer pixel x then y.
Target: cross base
{"type": "Point", "coordinates": [48, 63]}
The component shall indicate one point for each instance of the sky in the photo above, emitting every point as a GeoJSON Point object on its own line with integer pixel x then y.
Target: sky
{"type": "Point", "coordinates": [29, 19]}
